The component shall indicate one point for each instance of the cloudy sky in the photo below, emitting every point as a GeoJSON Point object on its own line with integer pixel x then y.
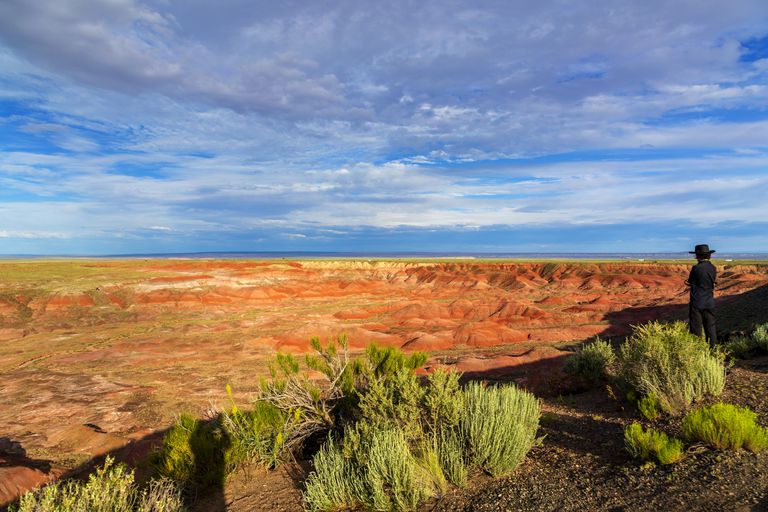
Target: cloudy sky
{"type": "Point", "coordinates": [547, 126]}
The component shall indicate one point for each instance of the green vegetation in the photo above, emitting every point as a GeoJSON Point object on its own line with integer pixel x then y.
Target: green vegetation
{"type": "Point", "coordinates": [652, 445]}
{"type": "Point", "coordinates": [744, 346]}
{"type": "Point", "coordinates": [592, 362]}
{"type": "Point", "coordinates": [726, 426]}
{"type": "Point", "coordinates": [195, 453]}
{"type": "Point", "coordinates": [666, 361]}
{"type": "Point", "coordinates": [650, 407]}
{"type": "Point", "coordinates": [110, 489]}
{"type": "Point", "coordinates": [394, 464]}
{"type": "Point", "coordinates": [499, 426]}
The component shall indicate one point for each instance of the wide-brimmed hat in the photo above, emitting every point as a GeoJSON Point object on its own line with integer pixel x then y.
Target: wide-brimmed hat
{"type": "Point", "coordinates": [701, 249]}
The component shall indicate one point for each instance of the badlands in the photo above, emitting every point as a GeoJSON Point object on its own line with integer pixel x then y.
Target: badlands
{"type": "Point", "coordinates": [99, 355]}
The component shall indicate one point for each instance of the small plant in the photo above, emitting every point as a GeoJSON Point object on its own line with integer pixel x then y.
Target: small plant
{"type": "Point", "coordinates": [429, 459]}
{"type": "Point", "coordinates": [649, 407]}
{"type": "Point", "coordinates": [744, 346]}
{"type": "Point", "coordinates": [386, 477]}
{"type": "Point", "coordinates": [450, 451]}
{"type": "Point", "coordinates": [161, 495]}
{"type": "Point", "coordinates": [443, 399]}
{"type": "Point", "coordinates": [110, 488]}
{"type": "Point", "coordinates": [499, 426]}
{"type": "Point", "coordinates": [256, 435]}
{"type": "Point", "coordinates": [726, 426]}
{"type": "Point", "coordinates": [393, 478]}
{"type": "Point", "coordinates": [652, 445]}
{"type": "Point", "coordinates": [592, 362]}
{"type": "Point", "coordinates": [335, 483]}
{"type": "Point", "coordinates": [667, 361]}
{"type": "Point", "coordinates": [195, 453]}
{"type": "Point", "coordinates": [393, 402]}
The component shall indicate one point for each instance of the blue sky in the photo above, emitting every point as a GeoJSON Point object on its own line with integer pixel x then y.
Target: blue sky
{"type": "Point", "coordinates": [179, 126]}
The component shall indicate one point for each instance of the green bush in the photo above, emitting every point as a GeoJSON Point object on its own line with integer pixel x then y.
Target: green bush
{"type": "Point", "coordinates": [161, 495]}
{"type": "Point", "coordinates": [393, 478]}
{"type": "Point", "coordinates": [428, 457]}
{"type": "Point", "coordinates": [726, 426]}
{"type": "Point", "coordinates": [335, 482]}
{"type": "Point", "coordinates": [443, 400]}
{"type": "Point", "coordinates": [651, 445]}
{"type": "Point", "coordinates": [499, 426]}
{"type": "Point", "coordinates": [110, 488]}
{"type": "Point", "coordinates": [667, 361]}
{"type": "Point", "coordinates": [257, 435]}
{"type": "Point", "coordinates": [195, 453]}
{"type": "Point", "coordinates": [385, 477]}
{"type": "Point", "coordinates": [744, 346]}
{"type": "Point", "coordinates": [650, 407]}
{"type": "Point", "coordinates": [451, 452]}
{"type": "Point", "coordinates": [393, 402]}
{"type": "Point", "coordinates": [592, 362]}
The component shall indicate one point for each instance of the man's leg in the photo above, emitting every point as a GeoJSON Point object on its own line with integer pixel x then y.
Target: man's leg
{"type": "Point", "coordinates": [710, 326]}
{"type": "Point", "coordinates": [694, 320]}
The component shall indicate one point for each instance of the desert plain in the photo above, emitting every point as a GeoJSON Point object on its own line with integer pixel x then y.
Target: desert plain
{"type": "Point", "coordinates": [98, 355]}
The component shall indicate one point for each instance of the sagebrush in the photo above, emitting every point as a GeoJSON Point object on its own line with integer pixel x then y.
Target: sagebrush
{"type": "Point", "coordinates": [593, 362]}
{"type": "Point", "coordinates": [499, 426]}
{"type": "Point", "coordinates": [745, 346]}
{"type": "Point", "coordinates": [111, 488]}
{"type": "Point", "coordinates": [675, 366]}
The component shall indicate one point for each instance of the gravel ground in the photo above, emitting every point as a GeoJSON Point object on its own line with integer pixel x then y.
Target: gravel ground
{"type": "Point", "coordinates": [582, 464]}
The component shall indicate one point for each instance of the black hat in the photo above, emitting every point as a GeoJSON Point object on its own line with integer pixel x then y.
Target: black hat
{"type": "Point", "coordinates": [701, 249]}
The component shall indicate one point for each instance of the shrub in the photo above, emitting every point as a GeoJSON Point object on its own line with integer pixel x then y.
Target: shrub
{"type": "Point", "coordinates": [393, 402]}
{"type": "Point", "coordinates": [393, 479]}
{"type": "Point", "coordinates": [726, 426]}
{"type": "Point", "coordinates": [256, 435]}
{"type": "Point", "coordinates": [161, 495]}
{"type": "Point", "coordinates": [195, 453]}
{"type": "Point", "coordinates": [650, 407]}
{"type": "Point", "coordinates": [429, 459]}
{"type": "Point", "coordinates": [592, 362]}
{"type": "Point", "coordinates": [443, 400]}
{"type": "Point", "coordinates": [744, 346]}
{"type": "Point", "coordinates": [334, 483]}
{"type": "Point", "coordinates": [667, 361]}
{"type": "Point", "coordinates": [450, 451]}
{"type": "Point", "coordinates": [110, 488]}
{"type": "Point", "coordinates": [499, 426]}
{"type": "Point", "coordinates": [385, 477]}
{"type": "Point", "coordinates": [652, 445]}
{"type": "Point", "coordinates": [384, 375]}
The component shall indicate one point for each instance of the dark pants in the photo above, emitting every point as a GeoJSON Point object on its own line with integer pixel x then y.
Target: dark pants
{"type": "Point", "coordinates": [697, 317]}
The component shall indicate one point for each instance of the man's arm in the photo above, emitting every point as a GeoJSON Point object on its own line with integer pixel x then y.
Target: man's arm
{"type": "Point", "coordinates": [690, 277]}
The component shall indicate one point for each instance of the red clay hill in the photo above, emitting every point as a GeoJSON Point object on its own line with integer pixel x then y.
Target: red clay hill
{"type": "Point", "coordinates": [95, 354]}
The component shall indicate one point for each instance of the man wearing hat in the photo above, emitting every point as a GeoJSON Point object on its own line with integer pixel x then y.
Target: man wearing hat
{"type": "Point", "coordinates": [702, 306]}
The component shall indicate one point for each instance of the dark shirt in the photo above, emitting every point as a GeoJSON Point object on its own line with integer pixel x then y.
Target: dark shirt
{"type": "Point", "coordinates": [702, 282]}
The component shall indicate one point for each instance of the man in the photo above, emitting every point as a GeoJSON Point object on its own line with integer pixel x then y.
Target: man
{"type": "Point", "coordinates": [701, 309]}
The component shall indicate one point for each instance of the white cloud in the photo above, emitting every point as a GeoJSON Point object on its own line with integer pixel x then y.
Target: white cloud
{"type": "Point", "coordinates": [189, 118]}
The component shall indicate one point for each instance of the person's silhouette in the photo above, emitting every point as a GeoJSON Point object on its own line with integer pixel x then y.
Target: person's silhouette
{"type": "Point", "coordinates": [209, 443]}
{"type": "Point", "coordinates": [701, 310]}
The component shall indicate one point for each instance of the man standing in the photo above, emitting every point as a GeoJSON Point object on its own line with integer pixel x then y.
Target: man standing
{"type": "Point", "coordinates": [702, 306]}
